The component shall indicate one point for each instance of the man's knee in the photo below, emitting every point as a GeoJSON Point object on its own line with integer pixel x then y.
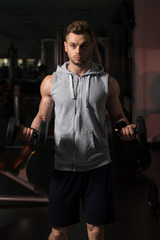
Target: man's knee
{"type": "Point", "coordinates": [95, 232]}
{"type": "Point", "coordinates": [59, 234]}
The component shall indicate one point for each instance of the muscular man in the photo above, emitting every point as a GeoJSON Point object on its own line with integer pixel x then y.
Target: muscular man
{"type": "Point", "coordinates": [79, 93]}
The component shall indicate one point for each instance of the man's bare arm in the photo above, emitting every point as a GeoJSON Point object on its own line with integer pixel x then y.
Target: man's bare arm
{"type": "Point", "coordinates": [45, 110]}
{"type": "Point", "coordinates": [115, 110]}
{"type": "Point", "coordinates": [46, 104]}
{"type": "Point", "coordinates": [114, 105]}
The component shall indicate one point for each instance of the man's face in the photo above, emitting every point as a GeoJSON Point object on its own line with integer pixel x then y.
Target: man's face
{"type": "Point", "coordinates": [78, 48]}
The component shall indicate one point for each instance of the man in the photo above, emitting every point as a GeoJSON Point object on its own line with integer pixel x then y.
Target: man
{"type": "Point", "coordinates": [79, 93]}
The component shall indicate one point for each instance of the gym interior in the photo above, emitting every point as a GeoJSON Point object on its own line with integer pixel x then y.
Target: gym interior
{"type": "Point", "coordinates": [127, 44]}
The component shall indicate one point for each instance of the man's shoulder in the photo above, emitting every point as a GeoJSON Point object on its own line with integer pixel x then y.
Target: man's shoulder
{"type": "Point", "coordinates": [47, 80]}
{"type": "Point", "coordinates": [47, 83]}
{"type": "Point", "coordinates": [112, 80]}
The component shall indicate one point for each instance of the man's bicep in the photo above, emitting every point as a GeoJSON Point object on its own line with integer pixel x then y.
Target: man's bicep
{"type": "Point", "coordinates": [114, 106]}
{"type": "Point", "coordinates": [47, 103]}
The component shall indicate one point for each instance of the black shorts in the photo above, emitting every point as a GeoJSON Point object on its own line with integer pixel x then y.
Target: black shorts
{"type": "Point", "coordinates": [92, 187]}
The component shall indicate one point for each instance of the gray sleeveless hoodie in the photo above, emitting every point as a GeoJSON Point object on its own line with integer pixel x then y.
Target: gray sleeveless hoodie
{"type": "Point", "coordinates": [79, 126]}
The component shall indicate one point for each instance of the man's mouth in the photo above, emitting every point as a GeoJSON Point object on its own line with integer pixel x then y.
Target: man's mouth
{"type": "Point", "coordinates": [77, 57]}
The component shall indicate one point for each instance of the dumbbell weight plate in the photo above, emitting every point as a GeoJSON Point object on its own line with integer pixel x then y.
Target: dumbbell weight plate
{"type": "Point", "coordinates": [11, 131]}
{"type": "Point", "coordinates": [141, 129]}
{"type": "Point", "coordinates": [42, 133]}
{"type": "Point", "coordinates": [136, 158]}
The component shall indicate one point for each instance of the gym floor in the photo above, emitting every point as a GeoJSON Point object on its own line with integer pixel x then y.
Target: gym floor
{"type": "Point", "coordinates": [135, 220]}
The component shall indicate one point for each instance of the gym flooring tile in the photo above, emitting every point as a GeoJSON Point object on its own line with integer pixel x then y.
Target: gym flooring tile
{"type": "Point", "coordinates": [134, 218]}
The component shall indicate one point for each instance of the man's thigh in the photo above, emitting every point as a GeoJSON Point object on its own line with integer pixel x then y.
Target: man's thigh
{"type": "Point", "coordinates": [64, 199]}
{"type": "Point", "coordinates": [97, 197]}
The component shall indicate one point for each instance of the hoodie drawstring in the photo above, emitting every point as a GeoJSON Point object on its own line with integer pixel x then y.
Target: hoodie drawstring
{"type": "Point", "coordinates": [73, 96]}
{"type": "Point", "coordinates": [71, 87]}
{"type": "Point", "coordinates": [87, 91]}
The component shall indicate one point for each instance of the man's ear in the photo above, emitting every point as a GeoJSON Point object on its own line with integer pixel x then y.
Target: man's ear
{"type": "Point", "coordinates": [65, 46]}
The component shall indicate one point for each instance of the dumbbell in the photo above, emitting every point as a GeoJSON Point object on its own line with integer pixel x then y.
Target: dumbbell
{"type": "Point", "coordinates": [135, 157]}
{"type": "Point", "coordinates": [140, 130]}
{"type": "Point", "coordinates": [39, 136]}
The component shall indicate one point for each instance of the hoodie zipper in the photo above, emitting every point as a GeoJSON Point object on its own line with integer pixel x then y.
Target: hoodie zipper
{"type": "Point", "coordinates": [76, 122]}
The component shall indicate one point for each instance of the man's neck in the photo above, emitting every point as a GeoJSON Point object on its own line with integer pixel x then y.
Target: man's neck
{"type": "Point", "coordinates": [79, 70]}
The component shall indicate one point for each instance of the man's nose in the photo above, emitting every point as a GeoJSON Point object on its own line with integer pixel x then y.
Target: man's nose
{"type": "Point", "coordinates": [78, 49]}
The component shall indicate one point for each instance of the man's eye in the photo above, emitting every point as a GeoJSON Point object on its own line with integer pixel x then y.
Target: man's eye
{"type": "Point", "coordinates": [84, 46]}
{"type": "Point", "coordinates": [73, 46]}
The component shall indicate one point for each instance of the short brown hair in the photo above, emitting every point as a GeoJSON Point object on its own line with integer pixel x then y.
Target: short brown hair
{"type": "Point", "coordinates": [79, 27]}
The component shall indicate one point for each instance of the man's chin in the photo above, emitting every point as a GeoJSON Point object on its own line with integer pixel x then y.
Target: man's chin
{"type": "Point", "coordinates": [78, 63]}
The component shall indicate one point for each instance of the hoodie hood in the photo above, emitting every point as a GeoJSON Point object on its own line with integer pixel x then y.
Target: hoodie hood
{"type": "Point", "coordinates": [94, 70]}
